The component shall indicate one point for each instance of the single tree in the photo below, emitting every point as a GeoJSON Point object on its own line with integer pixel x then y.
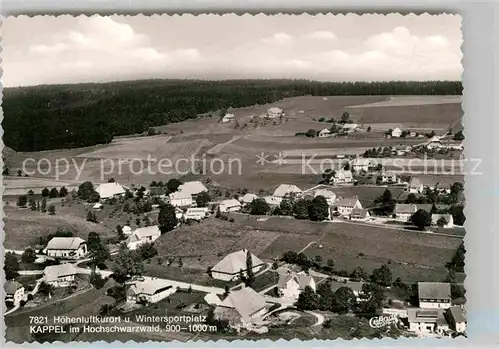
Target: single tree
{"type": "Point", "coordinates": [372, 299]}
{"type": "Point", "coordinates": [45, 192]}
{"type": "Point", "coordinates": [345, 117]}
{"type": "Point", "coordinates": [318, 209]}
{"type": "Point", "coordinates": [286, 207]}
{"type": "Point", "coordinates": [32, 204]}
{"type": "Point", "coordinates": [369, 128]}
{"type": "Point", "coordinates": [308, 299]}
{"type": "Point", "coordinates": [19, 173]}
{"type": "Point", "coordinates": [22, 200]}
{"type": "Point", "coordinates": [53, 193]}
{"type": "Point", "coordinates": [459, 136]}
{"type": "Point", "coordinates": [43, 206]}
{"type": "Point", "coordinates": [11, 266]}
{"type": "Point", "coordinates": [421, 219]}
{"type": "Point", "coordinates": [250, 276]}
{"type": "Point", "coordinates": [301, 209]}
{"type": "Point", "coordinates": [29, 255]}
{"type": "Point", "coordinates": [344, 299]}
{"type": "Point", "coordinates": [63, 192]}
{"type": "Point", "coordinates": [259, 206]}
{"type": "Point", "coordinates": [126, 264]}
{"type": "Point", "coordinates": [382, 276]}
{"type": "Point", "coordinates": [146, 251]}
{"type": "Point", "coordinates": [173, 184]}
{"type": "Point", "coordinates": [52, 210]}
{"type": "Point", "coordinates": [203, 199]}
{"type": "Point", "coordinates": [166, 218]}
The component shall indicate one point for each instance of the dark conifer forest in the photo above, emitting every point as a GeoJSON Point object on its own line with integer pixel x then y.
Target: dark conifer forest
{"type": "Point", "coordinates": [68, 116]}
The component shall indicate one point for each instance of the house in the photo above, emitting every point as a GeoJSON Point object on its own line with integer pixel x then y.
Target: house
{"type": "Point", "coordinates": [126, 230]}
{"type": "Point", "coordinates": [109, 190]}
{"type": "Point", "coordinates": [290, 284]}
{"type": "Point", "coordinates": [248, 198]}
{"type": "Point", "coordinates": [389, 177]}
{"type": "Point", "coordinates": [97, 206]}
{"type": "Point", "coordinates": [192, 188]}
{"type": "Point", "coordinates": [149, 290]}
{"type": "Point", "coordinates": [342, 176]}
{"type": "Point", "coordinates": [415, 186]}
{"type": "Point", "coordinates": [401, 149]}
{"type": "Point", "coordinates": [427, 320]}
{"type": "Point", "coordinates": [432, 295]}
{"type": "Point", "coordinates": [196, 213]}
{"type": "Point", "coordinates": [66, 248]}
{"type": "Point", "coordinates": [403, 212]}
{"type": "Point", "coordinates": [178, 213]}
{"type": "Point", "coordinates": [456, 318]}
{"type": "Point", "coordinates": [434, 143]}
{"type": "Point", "coordinates": [350, 127]}
{"type": "Point", "coordinates": [355, 286]}
{"type": "Point", "coordinates": [447, 219]}
{"type": "Point", "coordinates": [230, 266]}
{"type": "Point", "coordinates": [285, 191]}
{"type": "Point", "coordinates": [62, 275]}
{"type": "Point", "coordinates": [228, 118]}
{"type": "Point", "coordinates": [14, 292]}
{"type": "Point", "coordinates": [360, 164]}
{"type": "Point", "coordinates": [324, 133]}
{"type": "Point", "coordinates": [274, 112]}
{"type": "Point", "coordinates": [359, 214]}
{"type": "Point", "coordinates": [327, 194]}
{"type": "Point", "coordinates": [180, 199]}
{"type": "Point", "coordinates": [396, 132]}
{"type": "Point", "coordinates": [242, 308]}
{"type": "Point", "coordinates": [143, 235]}
{"type": "Point", "coordinates": [230, 205]}
{"type": "Point", "coordinates": [347, 205]}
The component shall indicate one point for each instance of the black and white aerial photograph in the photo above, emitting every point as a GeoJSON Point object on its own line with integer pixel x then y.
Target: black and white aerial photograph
{"type": "Point", "coordinates": [204, 178]}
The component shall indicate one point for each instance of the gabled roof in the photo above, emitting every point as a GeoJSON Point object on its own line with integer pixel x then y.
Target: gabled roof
{"type": "Point", "coordinates": [275, 110]}
{"type": "Point", "coordinates": [359, 212]}
{"type": "Point", "coordinates": [286, 189]}
{"type": "Point", "coordinates": [144, 232]}
{"type": "Point", "coordinates": [405, 208]}
{"type": "Point", "coordinates": [231, 203]}
{"type": "Point", "coordinates": [236, 261]}
{"type": "Point", "coordinates": [11, 287]}
{"type": "Point", "coordinates": [437, 216]}
{"type": "Point", "coordinates": [397, 129]}
{"type": "Point", "coordinates": [435, 139]}
{"type": "Point", "coordinates": [150, 286]}
{"type": "Point", "coordinates": [349, 202]}
{"type": "Point", "coordinates": [53, 272]}
{"type": "Point", "coordinates": [325, 130]}
{"type": "Point", "coordinates": [324, 192]}
{"type": "Point", "coordinates": [248, 197]}
{"type": "Point", "coordinates": [192, 188]}
{"type": "Point", "coordinates": [434, 290]}
{"type": "Point", "coordinates": [415, 182]}
{"type": "Point", "coordinates": [426, 316]}
{"type": "Point", "coordinates": [350, 126]}
{"type": "Point", "coordinates": [193, 210]}
{"type": "Point", "coordinates": [108, 190]}
{"type": "Point", "coordinates": [246, 302]}
{"type": "Point", "coordinates": [65, 243]}
{"type": "Point", "coordinates": [301, 279]}
{"type": "Point", "coordinates": [361, 162]}
{"type": "Point", "coordinates": [457, 313]}
{"type": "Point", "coordinates": [179, 195]}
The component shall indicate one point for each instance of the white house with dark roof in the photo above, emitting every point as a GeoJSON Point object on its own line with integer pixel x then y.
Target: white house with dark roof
{"type": "Point", "coordinates": [342, 176]}
{"type": "Point", "coordinates": [434, 295]}
{"type": "Point", "coordinates": [230, 205]}
{"type": "Point", "coordinates": [274, 112]}
{"type": "Point", "coordinates": [149, 290]}
{"type": "Point", "coordinates": [143, 235]}
{"type": "Point", "coordinates": [66, 248]}
{"type": "Point", "coordinates": [196, 213]}
{"type": "Point", "coordinates": [415, 186]}
{"type": "Point", "coordinates": [290, 284]}
{"type": "Point", "coordinates": [324, 133]}
{"type": "Point", "coordinates": [396, 132]}
{"type": "Point", "coordinates": [230, 266]}
{"type": "Point", "coordinates": [14, 292]}
{"type": "Point", "coordinates": [403, 212]}
{"type": "Point", "coordinates": [285, 191]}
{"type": "Point", "coordinates": [180, 199]}
{"type": "Point", "coordinates": [109, 190]}
{"type": "Point", "coordinates": [347, 205]}
{"type": "Point", "coordinates": [242, 308]}
{"type": "Point", "coordinates": [62, 275]}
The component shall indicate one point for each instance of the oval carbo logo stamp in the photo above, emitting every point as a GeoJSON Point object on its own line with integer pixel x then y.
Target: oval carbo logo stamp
{"type": "Point", "coordinates": [179, 178]}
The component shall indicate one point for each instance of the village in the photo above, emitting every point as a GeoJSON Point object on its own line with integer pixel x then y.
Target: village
{"type": "Point", "coordinates": [240, 293]}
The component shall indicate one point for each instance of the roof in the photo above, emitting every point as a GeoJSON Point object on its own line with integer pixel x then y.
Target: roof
{"type": "Point", "coordinates": [246, 302]}
{"type": "Point", "coordinates": [350, 126]}
{"type": "Point", "coordinates": [236, 261]}
{"type": "Point", "coordinates": [397, 129]}
{"type": "Point", "coordinates": [324, 192]}
{"type": "Point", "coordinates": [457, 314]}
{"type": "Point", "coordinates": [435, 139]}
{"type": "Point", "coordinates": [405, 208]}
{"type": "Point", "coordinates": [231, 203]}
{"type": "Point", "coordinates": [249, 197]}
{"type": "Point", "coordinates": [197, 210]}
{"type": "Point", "coordinates": [108, 190]}
{"type": "Point", "coordinates": [65, 243]}
{"type": "Point", "coordinates": [11, 287]}
{"type": "Point", "coordinates": [126, 230]}
{"type": "Point", "coordinates": [150, 286]}
{"type": "Point", "coordinates": [53, 272]}
{"type": "Point", "coordinates": [361, 162]}
{"type": "Point", "coordinates": [425, 207]}
{"type": "Point", "coordinates": [361, 212]}
{"type": "Point", "coordinates": [285, 189]}
{"type": "Point", "coordinates": [345, 173]}
{"type": "Point", "coordinates": [301, 279]}
{"type": "Point", "coordinates": [275, 110]}
{"type": "Point", "coordinates": [349, 202]}
{"type": "Point", "coordinates": [325, 130]}
{"type": "Point", "coordinates": [192, 188]}
{"type": "Point", "coordinates": [179, 195]}
{"type": "Point", "coordinates": [434, 290]}
{"type": "Point", "coordinates": [143, 232]}
{"type": "Point", "coordinates": [427, 315]}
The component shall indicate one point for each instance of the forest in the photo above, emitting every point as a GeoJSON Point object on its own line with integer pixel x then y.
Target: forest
{"type": "Point", "coordinates": [68, 116]}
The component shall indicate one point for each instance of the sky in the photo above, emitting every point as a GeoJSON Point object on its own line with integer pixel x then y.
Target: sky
{"type": "Point", "coordinates": [66, 49]}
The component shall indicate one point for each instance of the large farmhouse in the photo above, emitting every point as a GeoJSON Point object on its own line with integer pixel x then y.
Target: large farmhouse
{"type": "Point", "coordinates": [230, 266]}
{"type": "Point", "coordinates": [143, 235]}
{"type": "Point", "coordinates": [109, 190]}
{"type": "Point", "coordinates": [149, 290]}
{"type": "Point", "coordinates": [62, 275]}
{"type": "Point", "coordinates": [66, 248]}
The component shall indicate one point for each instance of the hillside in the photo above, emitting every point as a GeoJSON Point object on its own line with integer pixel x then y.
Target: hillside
{"type": "Point", "coordinates": [69, 116]}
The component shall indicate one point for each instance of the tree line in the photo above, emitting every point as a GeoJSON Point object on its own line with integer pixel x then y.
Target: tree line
{"type": "Point", "coordinates": [70, 116]}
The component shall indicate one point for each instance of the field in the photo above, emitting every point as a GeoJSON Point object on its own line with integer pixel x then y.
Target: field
{"type": "Point", "coordinates": [393, 101]}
